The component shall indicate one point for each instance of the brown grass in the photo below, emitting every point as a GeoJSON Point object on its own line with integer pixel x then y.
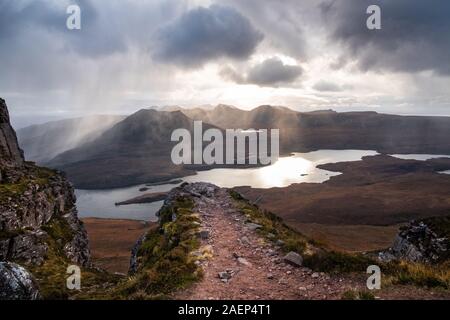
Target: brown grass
{"type": "Point", "coordinates": [111, 241]}
{"type": "Point", "coordinates": [349, 238]}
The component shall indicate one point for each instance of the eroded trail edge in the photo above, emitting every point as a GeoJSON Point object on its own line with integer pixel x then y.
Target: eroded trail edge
{"type": "Point", "coordinates": [242, 262]}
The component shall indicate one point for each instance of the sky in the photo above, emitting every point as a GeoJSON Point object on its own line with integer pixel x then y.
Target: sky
{"type": "Point", "coordinates": [303, 54]}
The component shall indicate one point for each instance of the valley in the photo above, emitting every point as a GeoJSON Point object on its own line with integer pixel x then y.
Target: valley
{"type": "Point", "coordinates": [137, 149]}
{"type": "Point", "coordinates": [304, 227]}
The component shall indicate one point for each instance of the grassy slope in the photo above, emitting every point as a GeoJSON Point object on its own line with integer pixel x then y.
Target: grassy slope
{"type": "Point", "coordinates": [318, 258]}
{"type": "Point", "coordinates": [165, 257]}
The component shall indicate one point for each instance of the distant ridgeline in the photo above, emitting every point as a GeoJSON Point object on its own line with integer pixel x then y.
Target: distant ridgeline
{"type": "Point", "coordinates": [137, 149]}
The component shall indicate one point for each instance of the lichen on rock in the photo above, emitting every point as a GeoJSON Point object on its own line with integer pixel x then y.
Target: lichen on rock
{"type": "Point", "coordinates": [16, 283]}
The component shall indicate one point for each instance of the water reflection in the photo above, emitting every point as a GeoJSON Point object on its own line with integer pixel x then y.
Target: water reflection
{"type": "Point", "coordinates": [420, 157]}
{"type": "Point", "coordinates": [300, 167]}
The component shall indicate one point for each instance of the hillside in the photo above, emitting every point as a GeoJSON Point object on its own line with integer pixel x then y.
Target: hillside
{"type": "Point", "coordinates": [43, 142]}
{"type": "Point", "coordinates": [135, 150]}
{"type": "Point", "coordinates": [212, 243]}
{"type": "Point", "coordinates": [304, 132]}
{"type": "Point", "coordinates": [358, 209]}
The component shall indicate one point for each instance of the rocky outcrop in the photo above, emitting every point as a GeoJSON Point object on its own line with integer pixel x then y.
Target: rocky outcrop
{"type": "Point", "coordinates": [40, 208]}
{"type": "Point", "coordinates": [38, 216]}
{"type": "Point", "coordinates": [425, 240]}
{"type": "Point", "coordinates": [10, 153]}
{"type": "Point", "coordinates": [16, 283]}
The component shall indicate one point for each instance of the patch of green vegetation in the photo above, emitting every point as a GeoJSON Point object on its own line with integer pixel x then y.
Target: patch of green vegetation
{"type": "Point", "coordinates": [357, 295]}
{"type": "Point", "coordinates": [165, 263]}
{"type": "Point", "coordinates": [35, 175]}
{"type": "Point", "coordinates": [273, 228]}
{"type": "Point", "coordinates": [10, 190]}
{"type": "Point", "coordinates": [59, 229]}
{"type": "Point", "coordinates": [338, 262]}
{"type": "Point", "coordinates": [52, 274]}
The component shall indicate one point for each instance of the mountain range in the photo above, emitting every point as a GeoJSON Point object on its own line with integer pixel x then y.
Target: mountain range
{"type": "Point", "coordinates": [136, 149]}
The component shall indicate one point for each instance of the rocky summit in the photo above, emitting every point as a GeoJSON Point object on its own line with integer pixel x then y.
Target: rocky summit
{"type": "Point", "coordinates": [38, 217]}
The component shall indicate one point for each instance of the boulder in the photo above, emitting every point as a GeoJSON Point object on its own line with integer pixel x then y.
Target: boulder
{"type": "Point", "coordinates": [16, 283]}
{"type": "Point", "coordinates": [294, 259]}
{"type": "Point", "coordinates": [253, 226]}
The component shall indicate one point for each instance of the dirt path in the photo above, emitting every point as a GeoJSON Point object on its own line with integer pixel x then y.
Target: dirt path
{"type": "Point", "coordinates": [256, 267]}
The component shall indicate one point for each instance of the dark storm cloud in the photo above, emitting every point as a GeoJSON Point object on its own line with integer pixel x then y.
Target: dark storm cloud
{"type": "Point", "coordinates": [282, 22]}
{"type": "Point", "coordinates": [21, 18]}
{"type": "Point", "coordinates": [38, 52]}
{"type": "Point", "coordinates": [205, 34]}
{"type": "Point", "coordinates": [414, 35]}
{"type": "Point", "coordinates": [273, 72]}
{"type": "Point", "coordinates": [269, 73]}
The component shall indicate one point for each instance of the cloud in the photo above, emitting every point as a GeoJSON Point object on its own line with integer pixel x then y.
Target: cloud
{"type": "Point", "coordinates": [283, 22]}
{"type": "Point", "coordinates": [97, 36]}
{"type": "Point", "coordinates": [271, 72]}
{"type": "Point", "coordinates": [40, 56]}
{"type": "Point", "coordinates": [229, 73]}
{"type": "Point", "coordinates": [328, 86]}
{"type": "Point", "coordinates": [414, 35]}
{"type": "Point", "coordinates": [205, 34]}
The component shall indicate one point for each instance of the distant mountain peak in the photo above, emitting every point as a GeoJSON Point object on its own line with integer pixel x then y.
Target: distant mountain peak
{"type": "Point", "coordinates": [11, 154]}
{"type": "Point", "coordinates": [267, 107]}
{"type": "Point", "coordinates": [225, 106]}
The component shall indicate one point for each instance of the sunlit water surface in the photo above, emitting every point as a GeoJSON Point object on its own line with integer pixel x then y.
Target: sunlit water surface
{"type": "Point", "coordinates": [297, 168]}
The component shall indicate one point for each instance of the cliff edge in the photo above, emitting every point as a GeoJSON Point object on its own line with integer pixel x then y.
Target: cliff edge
{"type": "Point", "coordinates": [39, 225]}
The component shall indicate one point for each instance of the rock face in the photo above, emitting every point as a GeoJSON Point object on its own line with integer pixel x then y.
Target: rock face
{"type": "Point", "coordinates": [16, 283]}
{"type": "Point", "coordinates": [10, 153]}
{"type": "Point", "coordinates": [425, 240]}
{"type": "Point", "coordinates": [38, 215]}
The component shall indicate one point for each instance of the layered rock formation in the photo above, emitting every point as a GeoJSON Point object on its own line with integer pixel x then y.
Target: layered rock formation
{"type": "Point", "coordinates": [425, 240]}
{"type": "Point", "coordinates": [38, 217]}
{"type": "Point", "coordinates": [10, 154]}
